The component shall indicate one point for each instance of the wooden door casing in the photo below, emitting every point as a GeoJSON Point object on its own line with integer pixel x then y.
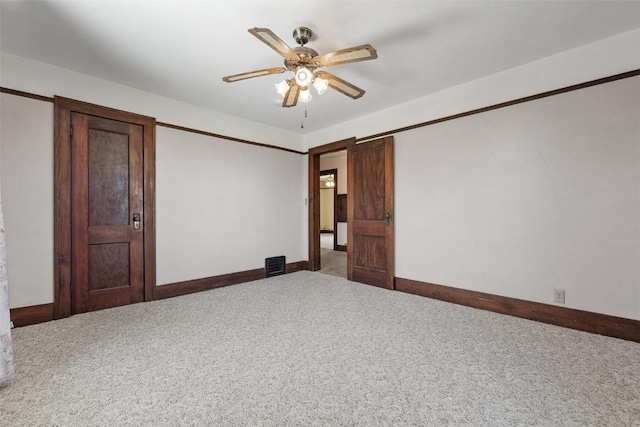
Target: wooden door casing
{"type": "Point", "coordinates": [107, 189]}
{"type": "Point", "coordinates": [314, 196]}
{"type": "Point", "coordinates": [64, 220]}
{"type": "Point", "coordinates": [370, 214]}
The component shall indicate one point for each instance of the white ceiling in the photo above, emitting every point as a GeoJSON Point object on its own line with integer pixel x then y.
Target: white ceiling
{"type": "Point", "coordinates": [182, 49]}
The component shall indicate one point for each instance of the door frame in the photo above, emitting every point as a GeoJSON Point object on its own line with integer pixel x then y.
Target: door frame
{"type": "Point", "coordinates": [314, 196]}
{"type": "Point", "coordinates": [63, 107]}
{"type": "Point", "coordinates": [333, 172]}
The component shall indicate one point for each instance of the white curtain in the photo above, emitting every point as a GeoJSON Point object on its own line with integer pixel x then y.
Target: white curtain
{"type": "Point", "coordinates": [6, 354]}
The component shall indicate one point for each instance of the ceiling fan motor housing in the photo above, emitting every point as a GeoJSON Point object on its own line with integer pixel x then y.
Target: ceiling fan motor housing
{"type": "Point", "coordinates": [305, 54]}
{"type": "Point", "coordinates": [302, 35]}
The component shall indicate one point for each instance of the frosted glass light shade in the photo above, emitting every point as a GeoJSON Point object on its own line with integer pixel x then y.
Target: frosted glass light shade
{"type": "Point", "coordinates": [282, 87]}
{"type": "Point", "coordinates": [305, 95]}
{"type": "Point", "coordinates": [320, 84]}
{"type": "Point", "coordinates": [303, 76]}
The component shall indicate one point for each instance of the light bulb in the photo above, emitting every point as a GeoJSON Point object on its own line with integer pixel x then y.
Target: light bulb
{"type": "Point", "coordinates": [320, 84]}
{"type": "Point", "coordinates": [303, 76]}
{"type": "Point", "coordinates": [305, 95]}
{"type": "Point", "coordinates": [282, 87]}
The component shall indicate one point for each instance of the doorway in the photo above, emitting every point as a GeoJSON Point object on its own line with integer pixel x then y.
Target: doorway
{"type": "Point", "coordinates": [370, 210]}
{"type": "Point", "coordinates": [333, 256]}
{"type": "Point", "coordinates": [315, 262]}
{"type": "Point", "coordinates": [104, 226]}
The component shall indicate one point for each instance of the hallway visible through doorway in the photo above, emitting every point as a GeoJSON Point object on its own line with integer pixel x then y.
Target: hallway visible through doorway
{"type": "Point", "coordinates": [326, 240]}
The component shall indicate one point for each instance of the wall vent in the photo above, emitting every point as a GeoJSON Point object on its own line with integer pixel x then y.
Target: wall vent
{"type": "Point", "coordinates": [275, 266]}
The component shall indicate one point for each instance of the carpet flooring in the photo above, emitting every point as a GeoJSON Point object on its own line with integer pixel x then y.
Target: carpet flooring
{"type": "Point", "coordinates": [312, 349]}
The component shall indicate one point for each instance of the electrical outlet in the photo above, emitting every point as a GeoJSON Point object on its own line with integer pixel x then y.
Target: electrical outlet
{"type": "Point", "coordinates": [558, 296]}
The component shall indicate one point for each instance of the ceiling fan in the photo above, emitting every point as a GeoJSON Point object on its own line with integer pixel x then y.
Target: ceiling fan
{"type": "Point", "coordinates": [305, 63]}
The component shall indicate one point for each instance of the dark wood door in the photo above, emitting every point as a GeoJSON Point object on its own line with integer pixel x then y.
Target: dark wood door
{"type": "Point", "coordinates": [370, 243]}
{"type": "Point", "coordinates": [106, 213]}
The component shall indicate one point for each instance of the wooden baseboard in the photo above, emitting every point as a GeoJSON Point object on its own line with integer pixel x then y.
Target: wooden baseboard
{"type": "Point", "coordinates": [207, 283]}
{"type": "Point", "coordinates": [297, 266]}
{"type": "Point", "coordinates": [618, 327]}
{"type": "Point", "coordinates": [31, 315]}
{"type": "Point", "coordinates": [341, 248]}
{"type": "Point", "coordinates": [25, 316]}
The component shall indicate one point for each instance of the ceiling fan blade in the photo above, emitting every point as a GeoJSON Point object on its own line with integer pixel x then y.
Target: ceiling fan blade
{"type": "Point", "coordinates": [340, 85]}
{"type": "Point", "coordinates": [275, 43]}
{"type": "Point", "coordinates": [291, 97]}
{"type": "Point", "coordinates": [252, 74]}
{"type": "Point", "coordinates": [345, 56]}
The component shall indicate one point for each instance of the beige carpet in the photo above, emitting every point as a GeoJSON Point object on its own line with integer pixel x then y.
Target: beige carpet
{"type": "Point", "coordinates": [313, 349]}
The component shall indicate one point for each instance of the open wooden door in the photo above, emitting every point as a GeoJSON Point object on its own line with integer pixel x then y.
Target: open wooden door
{"type": "Point", "coordinates": [370, 217]}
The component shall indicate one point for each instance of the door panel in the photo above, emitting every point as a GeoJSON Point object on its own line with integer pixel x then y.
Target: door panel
{"type": "Point", "coordinates": [370, 252]}
{"type": "Point", "coordinates": [108, 178]}
{"type": "Point", "coordinates": [108, 266]}
{"type": "Point", "coordinates": [107, 189]}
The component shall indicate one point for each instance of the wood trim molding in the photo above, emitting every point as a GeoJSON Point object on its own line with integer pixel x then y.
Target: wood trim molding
{"type": "Point", "coordinates": [167, 125]}
{"type": "Point", "coordinates": [228, 138]}
{"type": "Point", "coordinates": [332, 147]}
{"type": "Point", "coordinates": [25, 316]}
{"type": "Point", "coordinates": [321, 149]}
{"type": "Point", "coordinates": [31, 315]}
{"type": "Point", "coordinates": [63, 107]}
{"type": "Point", "coordinates": [297, 266]}
{"type": "Point", "coordinates": [329, 147]}
{"type": "Point", "coordinates": [314, 196]}
{"type": "Point", "coordinates": [506, 104]}
{"type": "Point", "coordinates": [25, 94]}
{"type": "Point", "coordinates": [595, 323]}
{"type": "Point", "coordinates": [208, 283]}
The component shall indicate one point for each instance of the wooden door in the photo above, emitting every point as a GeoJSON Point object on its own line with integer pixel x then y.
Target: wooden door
{"type": "Point", "coordinates": [107, 246]}
{"type": "Point", "coordinates": [370, 248]}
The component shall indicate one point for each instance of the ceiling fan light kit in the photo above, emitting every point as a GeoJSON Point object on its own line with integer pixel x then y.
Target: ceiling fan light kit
{"type": "Point", "coordinates": [282, 88]}
{"type": "Point", "coordinates": [305, 95]}
{"type": "Point", "coordinates": [320, 85]}
{"type": "Point", "coordinates": [303, 76]}
{"type": "Point", "coordinates": [305, 63]}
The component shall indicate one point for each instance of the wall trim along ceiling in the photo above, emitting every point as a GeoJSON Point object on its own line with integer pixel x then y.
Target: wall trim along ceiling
{"type": "Point", "coordinates": [522, 100]}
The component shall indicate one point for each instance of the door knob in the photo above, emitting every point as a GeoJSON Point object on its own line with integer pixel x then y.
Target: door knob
{"type": "Point", "coordinates": [136, 221]}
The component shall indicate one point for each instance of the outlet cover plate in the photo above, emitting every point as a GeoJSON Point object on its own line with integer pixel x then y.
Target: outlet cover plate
{"type": "Point", "coordinates": [558, 296]}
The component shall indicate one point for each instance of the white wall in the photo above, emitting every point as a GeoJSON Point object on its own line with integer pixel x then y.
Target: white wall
{"type": "Point", "coordinates": [526, 199]}
{"type": "Point", "coordinates": [47, 80]}
{"type": "Point", "coordinates": [522, 213]}
{"type": "Point", "coordinates": [224, 207]}
{"type": "Point", "coordinates": [604, 58]}
{"type": "Point", "coordinates": [576, 229]}
{"type": "Point", "coordinates": [326, 209]}
{"type": "Point", "coordinates": [26, 165]}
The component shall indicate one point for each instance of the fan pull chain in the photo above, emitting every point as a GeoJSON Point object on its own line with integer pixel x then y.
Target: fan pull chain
{"type": "Point", "coordinates": [305, 116]}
